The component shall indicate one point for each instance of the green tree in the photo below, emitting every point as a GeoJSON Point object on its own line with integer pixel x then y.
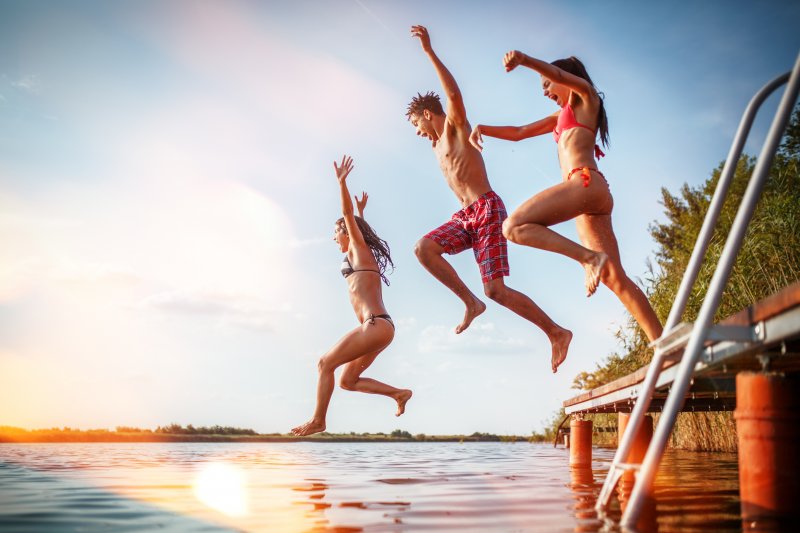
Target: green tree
{"type": "Point", "coordinates": [768, 260]}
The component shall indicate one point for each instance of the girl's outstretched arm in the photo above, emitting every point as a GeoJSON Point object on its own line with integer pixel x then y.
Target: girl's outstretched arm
{"type": "Point", "coordinates": [342, 171]}
{"type": "Point", "coordinates": [361, 204]}
{"type": "Point", "coordinates": [513, 133]}
{"type": "Point", "coordinates": [514, 58]}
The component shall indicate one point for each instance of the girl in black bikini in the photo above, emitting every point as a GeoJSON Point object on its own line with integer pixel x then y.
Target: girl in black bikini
{"type": "Point", "coordinates": [364, 265]}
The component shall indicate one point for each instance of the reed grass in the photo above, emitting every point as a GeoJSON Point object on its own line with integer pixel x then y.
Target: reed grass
{"type": "Point", "coordinates": [768, 261]}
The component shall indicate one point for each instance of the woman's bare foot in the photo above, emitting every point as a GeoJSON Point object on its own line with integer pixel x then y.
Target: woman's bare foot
{"type": "Point", "coordinates": [560, 346]}
{"type": "Point", "coordinates": [309, 428]}
{"type": "Point", "coordinates": [473, 310]}
{"type": "Point", "coordinates": [402, 398]}
{"type": "Point", "coordinates": [594, 272]}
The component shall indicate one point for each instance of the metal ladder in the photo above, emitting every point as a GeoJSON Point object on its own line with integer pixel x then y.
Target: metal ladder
{"type": "Point", "coordinates": [692, 337]}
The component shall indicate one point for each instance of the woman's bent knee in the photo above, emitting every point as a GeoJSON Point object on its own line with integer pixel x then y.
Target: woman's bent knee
{"type": "Point", "coordinates": [324, 365]}
{"type": "Point", "coordinates": [510, 230]}
{"type": "Point", "coordinates": [348, 383]}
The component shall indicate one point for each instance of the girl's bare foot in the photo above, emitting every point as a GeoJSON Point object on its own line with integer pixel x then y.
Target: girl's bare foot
{"type": "Point", "coordinates": [560, 346]}
{"type": "Point", "coordinates": [594, 272]}
{"type": "Point", "coordinates": [402, 398]}
{"type": "Point", "coordinates": [473, 310]}
{"type": "Point", "coordinates": [309, 428]}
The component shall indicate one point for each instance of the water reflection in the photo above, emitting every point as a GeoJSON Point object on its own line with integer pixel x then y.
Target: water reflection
{"type": "Point", "coordinates": [585, 492]}
{"type": "Point", "coordinates": [383, 486]}
{"type": "Point", "coordinates": [314, 492]}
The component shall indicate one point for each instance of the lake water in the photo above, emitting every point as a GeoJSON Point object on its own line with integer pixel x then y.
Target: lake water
{"type": "Point", "coordinates": [404, 486]}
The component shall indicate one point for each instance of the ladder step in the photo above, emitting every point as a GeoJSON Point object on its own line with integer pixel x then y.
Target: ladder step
{"type": "Point", "coordinates": [676, 339]}
{"type": "Point", "coordinates": [628, 466]}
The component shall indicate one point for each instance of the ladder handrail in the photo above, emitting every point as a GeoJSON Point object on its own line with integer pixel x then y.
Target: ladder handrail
{"type": "Point", "coordinates": [642, 402]}
{"type": "Point", "coordinates": [677, 394]}
{"type": "Point", "coordinates": [717, 201]}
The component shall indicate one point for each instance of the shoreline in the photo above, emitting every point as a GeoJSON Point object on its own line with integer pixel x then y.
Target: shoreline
{"type": "Point", "coordinates": [9, 435]}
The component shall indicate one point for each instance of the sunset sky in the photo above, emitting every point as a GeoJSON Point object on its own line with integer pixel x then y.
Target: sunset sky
{"type": "Point", "coordinates": [167, 197]}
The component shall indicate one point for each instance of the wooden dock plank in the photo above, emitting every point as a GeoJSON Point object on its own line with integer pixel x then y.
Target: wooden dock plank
{"type": "Point", "coordinates": [780, 302]}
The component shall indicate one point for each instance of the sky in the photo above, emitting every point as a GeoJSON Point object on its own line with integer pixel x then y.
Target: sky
{"type": "Point", "coordinates": [167, 197]}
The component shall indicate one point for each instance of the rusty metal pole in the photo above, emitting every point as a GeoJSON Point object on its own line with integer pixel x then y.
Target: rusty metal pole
{"type": "Point", "coordinates": [768, 426]}
{"type": "Point", "coordinates": [580, 437]}
{"type": "Point", "coordinates": [640, 441]}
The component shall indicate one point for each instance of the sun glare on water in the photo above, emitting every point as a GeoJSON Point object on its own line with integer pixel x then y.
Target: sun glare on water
{"type": "Point", "coordinates": [222, 487]}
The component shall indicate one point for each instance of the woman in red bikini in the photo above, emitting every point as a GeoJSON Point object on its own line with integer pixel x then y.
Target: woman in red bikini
{"type": "Point", "coordinates": [583, 194]}
{"type": "Point", "coordinates": [366, 258]}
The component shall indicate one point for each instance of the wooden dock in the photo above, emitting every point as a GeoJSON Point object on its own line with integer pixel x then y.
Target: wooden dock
{"type": "Point", "coordinates": [770, 332]}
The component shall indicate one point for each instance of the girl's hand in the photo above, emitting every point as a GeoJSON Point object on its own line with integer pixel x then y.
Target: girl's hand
{"type": "Point", "coordinates": [476, 139]}
{"type": "Point", "coordinates": [361, 204]}
{"type": "Point", "coordinates": [345, 168]}
{"type": "Point", "coordinates": [513, 59]}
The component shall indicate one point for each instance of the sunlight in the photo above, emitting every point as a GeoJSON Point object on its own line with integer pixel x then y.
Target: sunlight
{"type": "Point", "coordinates": [222, 487]}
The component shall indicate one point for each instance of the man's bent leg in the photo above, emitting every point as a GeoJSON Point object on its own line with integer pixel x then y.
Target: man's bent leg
{"type": "Point", "coordinates": [522, 305]}
{"type": "Point", "coordinates": [429, 254]}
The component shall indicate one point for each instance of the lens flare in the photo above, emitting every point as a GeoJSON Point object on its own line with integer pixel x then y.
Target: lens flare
{"type": "Point", "coordinates": [222, 487]}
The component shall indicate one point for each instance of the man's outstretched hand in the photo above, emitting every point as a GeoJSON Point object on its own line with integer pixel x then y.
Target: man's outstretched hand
{"type": "Point", "coordinates": [424, 38]}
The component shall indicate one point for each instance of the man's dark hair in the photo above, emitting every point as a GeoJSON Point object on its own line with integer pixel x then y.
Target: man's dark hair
{"type": "Point", "coordinates": [429, 101]}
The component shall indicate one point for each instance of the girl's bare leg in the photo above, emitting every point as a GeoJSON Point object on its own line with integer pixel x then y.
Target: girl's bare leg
{"type": "Point", "coordinates": [596, 232]}
{"type": "Point", "coordinates": [365, 339]}
{"type": "Point", "coordinates": [528, 224]}
{"type": "Point", "coordinates": [351, 380]}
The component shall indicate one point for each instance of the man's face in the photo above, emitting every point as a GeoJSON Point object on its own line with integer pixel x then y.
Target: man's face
{"type": "Point", "coordinates": [423, 125]}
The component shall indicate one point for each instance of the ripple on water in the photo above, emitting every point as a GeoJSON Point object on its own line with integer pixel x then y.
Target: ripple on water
{"type": "Point", "coordinates": [342, 487]}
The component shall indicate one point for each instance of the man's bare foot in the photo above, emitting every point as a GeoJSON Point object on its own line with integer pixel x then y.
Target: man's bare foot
{"type": "Point", "coordinates": [309, 428]}
{"type": "Point", "coordinates": [560, 346]}
{"type": "Point", "coordinates": [402, 398]}
{"type": "Point", "coordinates": [594, 271]}
{"type": "Point", "coordinates": [476, 308]}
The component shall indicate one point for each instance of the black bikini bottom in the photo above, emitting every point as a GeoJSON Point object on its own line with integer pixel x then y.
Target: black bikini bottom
{"type": "Point", "coordinates": [387, 318]}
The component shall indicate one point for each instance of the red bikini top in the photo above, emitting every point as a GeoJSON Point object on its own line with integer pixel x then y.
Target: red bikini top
{"type": "Point", "coordinates": [567, 121]}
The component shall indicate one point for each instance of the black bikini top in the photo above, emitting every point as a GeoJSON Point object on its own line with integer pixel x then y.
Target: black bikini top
{"type": "Point", "coordinates": [347, 268]}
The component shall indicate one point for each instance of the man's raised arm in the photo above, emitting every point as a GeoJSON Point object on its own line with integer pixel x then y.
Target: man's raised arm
{"type": "Point", "coordinates": [455, 103]}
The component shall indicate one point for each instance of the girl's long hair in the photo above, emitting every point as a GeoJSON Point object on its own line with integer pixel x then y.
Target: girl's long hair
{"type": "Point", "coordinates": [379, 247]}
{"type": "Point", "coordinates": [573, 65]}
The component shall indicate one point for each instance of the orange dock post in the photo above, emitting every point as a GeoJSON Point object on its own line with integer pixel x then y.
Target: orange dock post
{"type": "Point", "coordinates": [641, 441]}
{"type": "Point", "coordinates": [647, 518]}
{"type": "Point", "coordinates": [768, 426]}
{"type": "Point", "coordinates": [636, 455]}
{"type": "Point", "coordinates": [580, 440]}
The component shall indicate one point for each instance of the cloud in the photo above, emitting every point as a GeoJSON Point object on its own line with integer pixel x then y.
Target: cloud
{"type": "Point", "coordinates": [304, 243]}
{"type": "Point", "coordinates": [406, 322]}
{"type": "Point", "coordinates": [478, 339]}
{"type": "Point", "coordinates": [233, 309]}
{"type": "Point", "coordinates": [94, 273]}
{"type": "Point", "coordinates": [29, 83]}
{"type": "Point", "coordinates": [291, 87]}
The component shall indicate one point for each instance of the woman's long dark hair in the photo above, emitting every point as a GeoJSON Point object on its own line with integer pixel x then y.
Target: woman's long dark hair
{"type": "Point", "coordinates": [379, 247]}
{"type": "Point", "coordinates": [573, 65]}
